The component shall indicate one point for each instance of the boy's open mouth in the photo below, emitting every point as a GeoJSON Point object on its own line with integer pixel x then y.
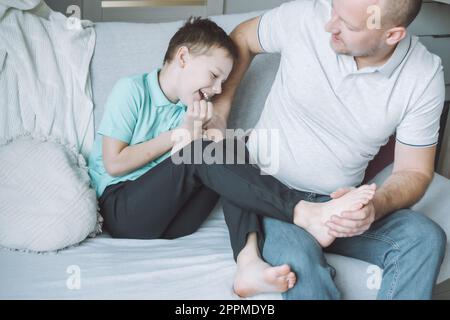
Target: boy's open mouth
{"type": "Point", "coordinates": [203, 95]}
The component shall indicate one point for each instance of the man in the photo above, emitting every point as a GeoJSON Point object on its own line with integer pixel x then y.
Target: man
{"type": "Point", "coordinates": [350, 76]}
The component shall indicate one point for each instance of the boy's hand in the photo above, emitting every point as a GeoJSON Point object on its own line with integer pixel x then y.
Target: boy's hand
{"type": "Point", "coordinates": [215, 128]}
{"type": "Point", "coordinates": [196, 116]}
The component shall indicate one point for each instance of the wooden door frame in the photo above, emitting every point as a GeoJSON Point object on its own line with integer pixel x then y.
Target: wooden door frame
{"type": "Point", "coordinates": [92, 9]}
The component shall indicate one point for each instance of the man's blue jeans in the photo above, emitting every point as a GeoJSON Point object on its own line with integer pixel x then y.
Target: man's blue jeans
{"type": "Point", "coordinates": [406, 244]}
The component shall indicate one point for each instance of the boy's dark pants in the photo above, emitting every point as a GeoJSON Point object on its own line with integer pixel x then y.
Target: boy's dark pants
{"type": "Point", "coordinates": [173, 200]}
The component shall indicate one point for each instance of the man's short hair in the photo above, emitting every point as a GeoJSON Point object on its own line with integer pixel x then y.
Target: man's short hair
{"type": "Point", "coordinates": [401, 13]}
{"type": "Point", "coordinates": [199, 35]}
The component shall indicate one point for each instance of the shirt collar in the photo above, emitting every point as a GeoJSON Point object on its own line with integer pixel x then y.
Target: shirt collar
{"type": "Point", "coordinates": [159, 99]}
{"type": "Point", "coordinates": [397, 57]}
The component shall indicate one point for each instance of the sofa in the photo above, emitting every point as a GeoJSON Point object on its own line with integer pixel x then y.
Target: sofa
{"type": "Point", "coordinates": [199, 266]}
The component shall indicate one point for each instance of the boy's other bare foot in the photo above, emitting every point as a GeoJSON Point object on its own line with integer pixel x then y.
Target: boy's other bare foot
{"type": "Point", "coordinates": [313, 216]}
{"type": "Point", "coordinates": [255, 276]}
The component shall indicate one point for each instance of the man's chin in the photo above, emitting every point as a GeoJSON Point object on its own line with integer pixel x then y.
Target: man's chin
{"type": "Point", "coordinates": [339, 49]}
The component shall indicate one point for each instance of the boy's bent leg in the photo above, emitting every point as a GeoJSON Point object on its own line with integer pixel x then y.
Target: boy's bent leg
{"type": "Point", "coordinates": [253, 275]}
{"type": "Point", "coordinates": [145, 207]}
{"type": "Point", "coordinates": [240, 224]}
{"type": "Point", "coordinates": [288, 244]}
{"type": "Point", "coordinates": [409, 247]}
{"type": "Point", "coordinates": [191, 216]}
{"type": "Point", "coordinates": [240, 182]}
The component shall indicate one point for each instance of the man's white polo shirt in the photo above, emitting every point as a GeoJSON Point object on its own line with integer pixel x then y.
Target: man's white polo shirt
{"type": "Point", "coordinates": [332, 117]}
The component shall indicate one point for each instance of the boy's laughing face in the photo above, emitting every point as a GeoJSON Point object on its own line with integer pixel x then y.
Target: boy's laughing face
{"type": "Point", "coordinates": [203, 75]}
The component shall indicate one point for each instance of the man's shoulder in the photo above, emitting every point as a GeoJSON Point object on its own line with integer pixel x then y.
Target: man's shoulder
{"type": "Point", "coordinates": [314, 4]}
{"type": "Point", "coordinates": [302, 18]}
{"type": "Point", "coordinates": [423, 74]}
{"type": "Point", "coordinates": [422, 59]}
{"type": "Point", "coordinates": [307, 7]}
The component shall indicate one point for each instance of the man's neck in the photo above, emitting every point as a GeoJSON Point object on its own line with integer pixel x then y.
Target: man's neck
{"type": "Point", "coordinates": [376, 60]}
{"type": "Point", "coordinates": [166, 83]}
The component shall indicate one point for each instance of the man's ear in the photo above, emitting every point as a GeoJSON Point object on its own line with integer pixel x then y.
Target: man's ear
{"type": "Point", "coordinates": [182, 56]}
{"type": "Point", "coordinates": [395, 35]}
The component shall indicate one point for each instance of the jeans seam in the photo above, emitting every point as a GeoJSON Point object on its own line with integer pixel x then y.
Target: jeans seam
{"type": "Point", "coordinates": [381, 238]}
{"type": "Point", "coordinates": [396, 247]}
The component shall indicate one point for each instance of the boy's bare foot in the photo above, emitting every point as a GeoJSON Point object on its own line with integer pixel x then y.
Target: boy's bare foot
{"type": "Point", "coordinates": [255, 276]}
{"type": "Point", "coordinates": [313, 216]}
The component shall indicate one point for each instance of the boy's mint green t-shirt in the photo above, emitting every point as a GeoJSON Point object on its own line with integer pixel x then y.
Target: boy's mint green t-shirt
{"type": "Point", "coordinates": [136, 111]}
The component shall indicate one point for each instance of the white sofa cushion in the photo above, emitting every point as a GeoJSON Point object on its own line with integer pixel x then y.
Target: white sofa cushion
{"type": "Point", "coordinates": [46, 201]}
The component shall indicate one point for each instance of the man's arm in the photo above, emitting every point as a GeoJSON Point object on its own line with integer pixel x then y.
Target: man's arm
{"type": "Point", "coordinates": [412, 174]}
{"type": "Point", "coordinates": [245, 37]}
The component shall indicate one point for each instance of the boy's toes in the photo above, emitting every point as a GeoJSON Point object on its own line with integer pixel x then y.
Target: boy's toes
{"type": "Point", "coordinates": [291, 280]}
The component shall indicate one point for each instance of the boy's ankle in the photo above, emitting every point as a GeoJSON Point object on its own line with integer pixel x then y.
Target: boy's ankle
{"type": "Point", "coordinates": [302, 213]}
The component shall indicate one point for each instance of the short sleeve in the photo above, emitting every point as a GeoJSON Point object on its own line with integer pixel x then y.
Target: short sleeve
{"type": "Point", "coordinates": [121, 111]}
{"type": "Point", "coordinates": [277, 25]}
{"type": "Point", "coordinates": [420, 126]}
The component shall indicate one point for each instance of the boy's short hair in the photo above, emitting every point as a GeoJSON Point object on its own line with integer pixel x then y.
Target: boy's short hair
{"type": "Point", "coordinates": [199, 35]}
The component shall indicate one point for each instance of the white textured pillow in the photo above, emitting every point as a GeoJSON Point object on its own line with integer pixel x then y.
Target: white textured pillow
{"type": "Point", "coordinates": [46, 201]}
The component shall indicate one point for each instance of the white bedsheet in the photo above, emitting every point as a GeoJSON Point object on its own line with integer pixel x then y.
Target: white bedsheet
{"type": "Point", "coordinates": [199, 266]}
